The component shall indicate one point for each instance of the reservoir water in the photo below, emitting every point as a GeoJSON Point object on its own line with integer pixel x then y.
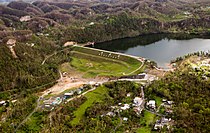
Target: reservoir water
{"type": "Point", "coordinates": [160, 48]}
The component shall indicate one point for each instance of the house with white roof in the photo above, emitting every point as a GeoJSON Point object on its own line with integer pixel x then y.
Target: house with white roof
{"type": "Point", "coordinates": [125, 119]}
{"type": "Point", "coordinates": [137, 101]}
{"type": "Point", "coordinates": [2, 102]}
{"type": "Point", "coordinates": [151, 104]}
{"type": "Point", "coordinates": [125, 107]}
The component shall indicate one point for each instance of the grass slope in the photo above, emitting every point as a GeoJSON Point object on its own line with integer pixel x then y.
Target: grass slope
{"type": "Point", "coordinates": [94, 68]}
{"type": "Point", "coordinates": [96, 95]}
{"type": "Point", "coordinates": [147, 119]}
{"type": "Point", "coordinates": [93, 63]}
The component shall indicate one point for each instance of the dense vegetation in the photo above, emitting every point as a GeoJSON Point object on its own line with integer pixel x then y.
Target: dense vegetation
{"type": "Point", "coordinates": [53, 23]}
{"type": "Point", "coordinates": [191, 112]}
{"type": "Point", "coordinates": [27, 74]}
{"type": "Point", "coordinates": [88, 111]}
{"type": "Point", "coordinates": [14, 113]}
{"type": "Point", "coordinates": [98, 21]}
{"type": "Point", "coordinates": [191, 95]}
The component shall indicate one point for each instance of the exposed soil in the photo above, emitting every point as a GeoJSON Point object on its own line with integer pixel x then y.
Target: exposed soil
{"type": "Point", "coordinates": [158, 73]}
{"type": "Point", "coordinates": [71, 80]}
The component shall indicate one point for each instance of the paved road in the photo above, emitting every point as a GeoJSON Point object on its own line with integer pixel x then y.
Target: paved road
{"type": "Point", "coordinates": [140, 59]}
{"type": "Point", "coordinates": [80, 95]}
{"type": "Point", "coordinates": [142, 64]}
{"type": "Point", "coordinates": [38, 101]}
{"type": "Point", "coordinates": [132, 56]}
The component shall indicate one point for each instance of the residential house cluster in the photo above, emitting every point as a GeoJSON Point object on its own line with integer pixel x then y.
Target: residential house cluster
{"type": "Point", "coordinates": [50, 103]}
{"type": "Point", "coordinates": [163, 122]}
{"type": "Point", "coordinates": [203, 68]}
{"type": "Point", "coordinates": [72, 93]}
{"type": "Point", "coordinates": [137, 105]}
{"type": "Point", "coordinates": [168, 106]}
{"type": "Point", "coordinates": [6, 103]}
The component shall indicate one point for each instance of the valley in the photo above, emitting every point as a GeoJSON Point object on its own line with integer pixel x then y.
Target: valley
{"type": "Point", "coordinates": [104, 66]}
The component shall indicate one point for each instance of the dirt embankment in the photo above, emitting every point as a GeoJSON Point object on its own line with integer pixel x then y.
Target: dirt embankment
{"type": "Point", "coordinates": [70, 82]}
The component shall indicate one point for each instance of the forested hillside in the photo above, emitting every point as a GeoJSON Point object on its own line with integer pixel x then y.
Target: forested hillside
{"type": "Point", "coordinates": [80, 20]}
{"type": "Point", "coordinates": [48, 25]}
{"type": "Point", "coordinates": [32, 37]}
{"type": "Point", "coordinates": [191, 95]}
{"type": "Point", "coordinates": [26, 73]}
{"type": "Point", "coordinates": [30, 32]}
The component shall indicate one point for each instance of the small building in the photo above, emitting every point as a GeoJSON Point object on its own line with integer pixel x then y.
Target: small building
{"type": "Point", "coordinates": [125, 118]}
{"type": "Point", "coordinates": [48, 107]}
{"type": "Point", "coordinates": [90, 43]}
{"type": "Point", "coordinates": [162, 122]}
{"type": "Point", "coordinates": [13, 101]}
{"type": "Point", "coordinates": [137, 101]}
{"type": "Point", "coordinates": [170, 102]}
{"type": "Point", "coordinates": [110, 114]}
{"type": "Point", "coordinates": [143, 74]}
{"type": "Point", "coordinates": [187, 13]}
{"type": "Point", "coordinates": [138, 110]}
{"type": "Point", "coordinates": [68, 95]}
{"type": "Point", "coordinates": [25, 18]}
{"type": "Point", "coordinates": [11, 42]}
{"type": "Point", "coordinates": [165, 120]}
{"type": "Point", "coordinates": [64, 73]}
{"type": "Point", "coordinates": [125, 107]}
{"type": "Point", "coordinates": [2, 102]}
{"type": "Point", "coordinates": [79, 91]}
{"type": "Point", "coordinates": [151, 104]}
{"type": "Point", "coordinates": [158, 126]}
{"type": "Point", "coordinates": [129, 94]}
{"type": "Point", "coordinates": [91, 23]}
{"type": "Point", "coordinates": [97, 84]}
{"type": "Point", "coordinates": [32, 44]}
{"type": "Point", "coordinates": [57, 101]}
{"type": "Point", "coordinates": [164, 100]}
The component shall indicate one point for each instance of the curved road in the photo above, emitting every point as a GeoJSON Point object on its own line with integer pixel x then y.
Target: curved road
{"type": "Point", "coordinates": [140, 59]}
{"type": "Point", "coordinates": [38, 100]}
